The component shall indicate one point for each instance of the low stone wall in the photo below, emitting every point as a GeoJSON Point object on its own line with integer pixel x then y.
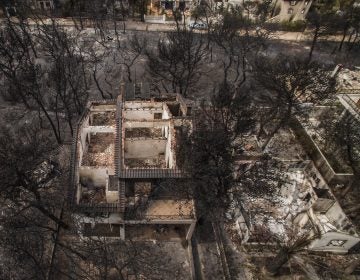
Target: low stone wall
{"type": "Point", "coordinates": [155, 19]}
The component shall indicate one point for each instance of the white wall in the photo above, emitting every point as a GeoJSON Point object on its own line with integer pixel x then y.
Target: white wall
{"type": "Point", "coordinates": [97, 176]}
{"type": "Point", "coordinates": [78, 192]}
{"type": "Point", "coordinates": [301, 219]}
{"type": "Point", "coordinates": [155, 19]}
{"type": "Point", "coordinates": [166, 114]}
{"type": "Point", "coordinates": [112, 196]}
{"type": "Point", "coordinates": [146, 123]}
{"type": "Point", "coordinates": [144, 148]}
{"type": "Point", "coordinates": [142, 104]}
{"type": "Point", "coordinates": [141, 114]}
{"type": "Point", "coordinates": [103, 108]}
{"type": "Point", "coordinates": [169, 157]}
{"type": "Point", "coordinates": [82, 147]}
{"type": "Point", "coordinates": [100, 129]}
{"type": "Point", "coordinates": [322, 204]}
{"type": "Point", "coordinates": [322, 244]}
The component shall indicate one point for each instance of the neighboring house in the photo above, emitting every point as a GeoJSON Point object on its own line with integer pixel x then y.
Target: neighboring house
{"type": "Point", "coordinates": [304, 203]}
{"type": "Point", "coordinates": [163, 5]}
{"type": "Point", "coordinates": [124, 170]}
{"type": "Point", "coordinates": [349, 92]}
{"type": "Point", "coordinates": [291, 10]}
{"type": "Point", "coordinates": [43, 5]}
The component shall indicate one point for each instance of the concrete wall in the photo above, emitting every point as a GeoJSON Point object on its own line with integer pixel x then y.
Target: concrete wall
{"type": "Point", "coordinates": [165, 131]}
{"type": "Point", "coordinates": [78, 193]}
{"type": "Point", "coordinates": [322, 204]}
{"type": "Point", "coordinates": [98, 107]}
{"type": "Point", "coordinates": [166, 112]}
{"type": "Point", "coordinates": [98, 129]}
{"type": "Point", "coordinates": [142, 104]}
{"type": "Point", "coordinates": [86, 134]}
{"type": "Point", "coordinates": [114, 218]}
{"type": "Point", "coordinates": [297, 9]}
{"type": "Point", "coordinates": [336, 215]}
{"type": "Point", "coordinates": [112, 196]}
{"type": "Point", "coordinates": [322, 244]}
{"type": "Point", "coordinates": [146, 123]}
{"type": "Point", "coordinates": [169, 155]}
{"type": "Point", "coordinates": [141, 114]}
{"type": "Point", "coordinates": [82, 146]}
{"type": "Point", "coordinates": [320, 161]}
{"type": "Point", "coordinates": [96, 176]}
{"type": "Point", "coordinates": [301, 219]}
{"type": "Point", "coordinates": [141, 148]}
{"type": "Point", "coordinates": [155, 19]}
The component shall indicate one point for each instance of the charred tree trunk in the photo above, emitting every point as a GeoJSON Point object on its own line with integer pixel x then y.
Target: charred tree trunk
{"type": "Point", "coordinates": [314, 41]}
{"type": "Point", "coordinates": [278, 262]}
{"type": "Point", "coordinates": [343, 37]}
{"type": "Point", "coordinates": [50, 215]}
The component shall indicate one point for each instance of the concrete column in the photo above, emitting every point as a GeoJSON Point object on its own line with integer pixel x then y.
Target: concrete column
{"type": "Point", "coordinates": [122, 232]}
{"type": "Point", "coordinates": [190, 231]}
{"type": "Point", "coordinates": [122, 85]}
{"type": "Point", "coordinates": [343, 114]}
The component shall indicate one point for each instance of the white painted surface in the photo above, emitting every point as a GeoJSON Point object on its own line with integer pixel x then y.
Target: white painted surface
{"type": "Point", "coordinates": [95, 176]}
{"type": "Point", "coordinates": [322, 244]}
{"type": "Point", "coordinates": [141, 148]}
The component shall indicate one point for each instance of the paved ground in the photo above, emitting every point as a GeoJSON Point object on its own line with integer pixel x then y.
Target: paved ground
{"type": "Point", "coordinates": [156, 27]}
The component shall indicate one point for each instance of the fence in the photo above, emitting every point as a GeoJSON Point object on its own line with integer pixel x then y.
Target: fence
{"type": "Point", "coordinates": [155, 19]}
